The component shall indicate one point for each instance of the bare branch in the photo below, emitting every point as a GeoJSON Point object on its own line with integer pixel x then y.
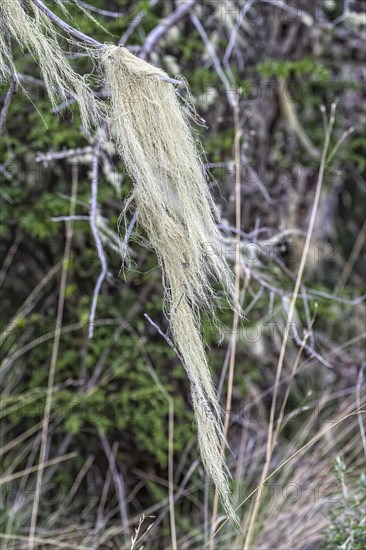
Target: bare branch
{"type": "Point", "coordinates": [164, 26]}
{"type": "Point", "coordinates": [98, 242]}
{"type": "Point", "coordinates": [66, 27]}
{"type": "Point", "coordinates": [83, 37]}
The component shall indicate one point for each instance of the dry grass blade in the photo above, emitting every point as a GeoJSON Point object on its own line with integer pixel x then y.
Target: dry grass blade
{"type": "Point", "coordinates": [307, 445]}
{"type": "Point", "coordinates": [55, 349]}
{"type": "Point", "coordinates": [300, 273]}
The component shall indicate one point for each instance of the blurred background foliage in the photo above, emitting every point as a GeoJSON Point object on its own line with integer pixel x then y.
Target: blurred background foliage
{"type": "Point", "coordinates": [285, 69]}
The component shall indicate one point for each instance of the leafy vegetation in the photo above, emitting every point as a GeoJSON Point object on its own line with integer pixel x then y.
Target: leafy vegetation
{"type": "Point", "coordinates": [347, 519]}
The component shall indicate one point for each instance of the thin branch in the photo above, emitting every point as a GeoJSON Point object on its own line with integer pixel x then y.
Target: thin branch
{"type": "Point", "coordinates": [135, 23]}
{"type": "Point", "coordinates": [126, 238]}
{"type": "Point", "coordinates": [98, 242]}
{"type": "Point", "coordinates": [134, 539]}
{"type": "Point", "coordinates": [230, 92]}
{"type": "Point", "coordinates": [104, 13]}
{"type": "Point", "coordinates": [165, 336]}
{"type": "Point", "coordinates": [344, 14]}
{"type": "Point", "coordinates": [65, 104]}
{"type": "Point", "coordinates": [66, 27]}
{"type": "Point", "coordinates": [161, 30]}
{"type": "Point", "coordinates": [300, 15]}
{"type": "Point", "coordinates": [83, 37]}
{"type": "Point", "coordinates": [69, 153]}
{"type": "Point", "coordinates": [7, 101]}
{"type": "Point", "coordinates": [71, 218]}
{"type": "Point", "coordinates": [301, 343]}
{"type": "Point", "coordinates": [234, 33]}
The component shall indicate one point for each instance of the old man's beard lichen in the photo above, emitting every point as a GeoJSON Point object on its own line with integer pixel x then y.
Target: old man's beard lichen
{"type": "Point", "coordinates": [153, 136]}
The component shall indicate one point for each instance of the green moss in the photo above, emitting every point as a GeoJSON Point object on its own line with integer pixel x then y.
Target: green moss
{"type": "Point", "coordinates": [313, 68]}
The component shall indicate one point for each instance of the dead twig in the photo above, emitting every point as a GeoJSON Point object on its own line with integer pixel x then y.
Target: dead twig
{"type": "Point", "coordinates": [161, 30]}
